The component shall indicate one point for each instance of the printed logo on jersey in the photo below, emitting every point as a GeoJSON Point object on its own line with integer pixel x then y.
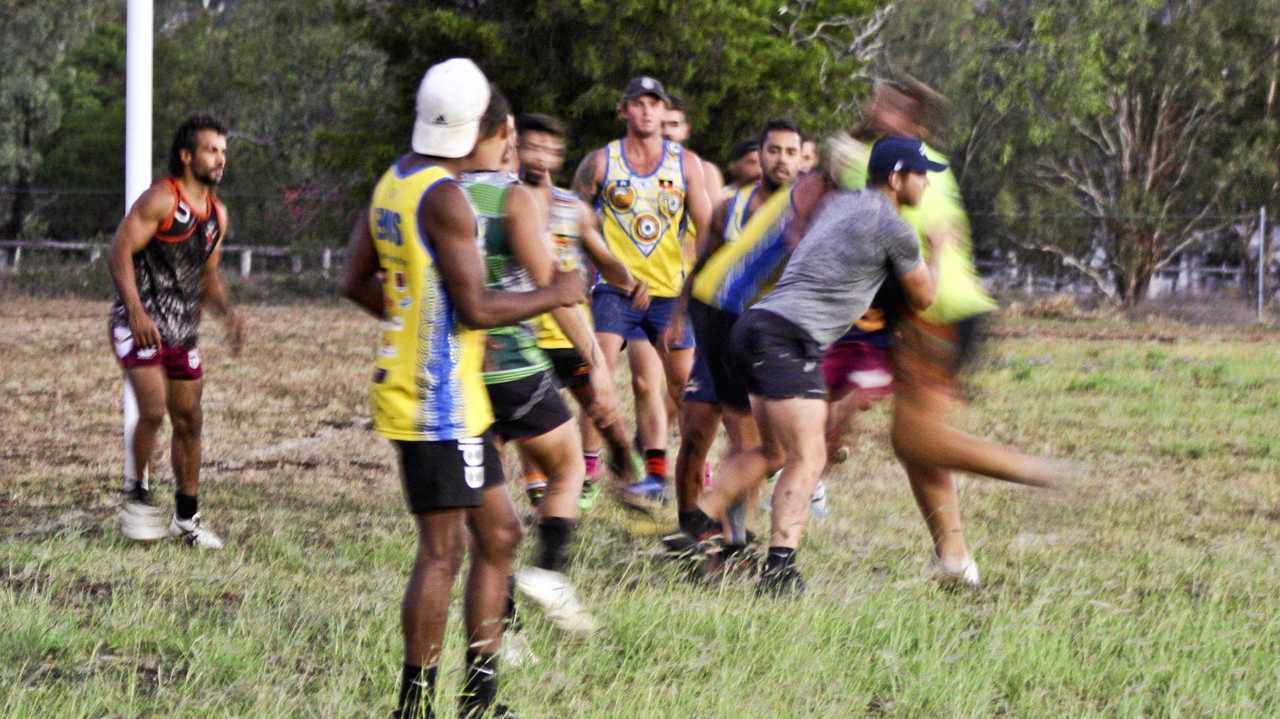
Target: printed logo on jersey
{"type": "Point", "coordinates": [387, 227]}
{"type": "Point", "coordinates": [472, 449]}
{"type": "Point", "coordinates": [621, 195]}
{"type": "Point", "coordinates": [210, 233]}
{"type": "Point", "coordinates": [181, 213]}
{"type": "Point", "coordinates": [402, 285]}
{"type": "Point", "coordinates": [193, 359]}
{"type": "Point", "coordinates": [646, 229]}
{"type": "Point", "coordinates": [670, 200]}
{"type": "Point", "coordinates": [146, 353]}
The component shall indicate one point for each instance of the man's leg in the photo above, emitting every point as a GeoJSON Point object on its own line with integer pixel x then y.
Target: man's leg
{"type": "Point", "coordinates": [648, 381]}
{"type": "Point", "coordinates": [935, 492]}
{"type": "Point", "coordinates": [188, 420]}
{"type": "Point", "coordinates": [743, 435]}
{"type": "Point", "coordinates": [425, 610]}
{"type": "Point", "coordinates": [797, 424]}
{"type": "Point", "coordinates": [496, 533]}
{"type": "Point", "coordinates": [144, 409]}
{"type": "Point", "coordinates": [698, 425]}
{"type": "Point", "coordinates": [602, 414]}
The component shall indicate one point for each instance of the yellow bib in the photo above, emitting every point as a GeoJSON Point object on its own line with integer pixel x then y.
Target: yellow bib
{"type": "Point", "coordinates": [643, 217]}
{"type": "Point", "coordinates": [567, 237]}
{"type": "Point", "coordinates": [427, 382]}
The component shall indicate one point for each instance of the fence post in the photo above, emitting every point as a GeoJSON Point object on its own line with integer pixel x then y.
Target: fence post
{"type": "Point", "coordinates": [326, 260]}
{"type": "Point", "coordinates": [1262, 257]}
{"type": "Point", "coordinates": [17, 259]}
{"type": "Point", "coordinates": [295, 262]}
{"type": "Point", "coordinates": [246, 262]}
{"type": "Point", "coordinates": [95, 254]}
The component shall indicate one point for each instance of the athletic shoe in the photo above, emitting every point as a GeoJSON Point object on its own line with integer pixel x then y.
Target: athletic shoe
{"type": "Point", "coordinates": [840, 455]}
{"type": "Point", "coordinates": [516, 651]}
{"type": "Point", "coordinates": [554, 593]}
{"type": "Point", "coordinates": [140, 519]}
{"type": "Point", "coordinates": [818, 502]}
{"type": "Point", "coordinates": [781, 583]}
{"type": "Point", "coordinates": [963, 574]}
{"type": "Point", "coordinates": [590, 491]}
{"type": "Point", "coordinates": [652, 488]}
{"type": "Point", "coordinates": [193, 534]}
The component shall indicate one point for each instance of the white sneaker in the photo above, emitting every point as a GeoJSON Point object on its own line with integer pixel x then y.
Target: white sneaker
{"type": "Point", "coordinates": [964, 573]}
{"type": "Point", "coordinates": [516, 651]}
{"type": "Point", "coordinates": [140, 519]}
{"type": "Point", "coordinates": [553, 592]}
{"type": "Point", "coordinates": [818, 502]}
{"type": "Point", "coordinates": [190, 531]}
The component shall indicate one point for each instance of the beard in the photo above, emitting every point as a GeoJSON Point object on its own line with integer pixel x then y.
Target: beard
{"type": "Point", "coordinates": [206, 176]}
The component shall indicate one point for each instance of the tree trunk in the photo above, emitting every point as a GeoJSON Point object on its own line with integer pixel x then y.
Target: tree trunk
{"type": "Point", "coordinates": [22, 188]}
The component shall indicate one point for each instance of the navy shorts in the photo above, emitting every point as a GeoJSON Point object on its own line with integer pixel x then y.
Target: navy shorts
{"type": "Point", "coordinates": [700, 387]}
{"type": "Point", "coordinates": [714, 329]}
{"type": "Point", "coordinates": [612, 311]}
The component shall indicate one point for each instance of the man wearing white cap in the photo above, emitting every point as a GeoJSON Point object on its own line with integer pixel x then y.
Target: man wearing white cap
{"type": "Point", "coordinates": [415, 263]}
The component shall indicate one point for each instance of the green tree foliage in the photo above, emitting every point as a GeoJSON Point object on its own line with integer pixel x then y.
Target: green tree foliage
{"type": "Point", "coordinates": [35, 39]}
{"type": "Point", "coordinates": [1108, 134]}
{"type": "Point", "coordinates": [735, 63]}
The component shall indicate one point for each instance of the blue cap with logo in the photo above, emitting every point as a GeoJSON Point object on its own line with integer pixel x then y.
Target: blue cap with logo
{"type": "Point", "coordinates": [895, 153]}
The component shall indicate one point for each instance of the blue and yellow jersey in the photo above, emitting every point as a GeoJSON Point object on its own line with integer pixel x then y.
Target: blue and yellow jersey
{"type": "Point", "coordinates": [566, 234]}
{"type": "Point", "coordinates": [960, 293]}
{"type": "Point", "coordinates": [739, 212]}
{"type": "Point", "coordinates": [747, 266]}
{"type": "Point", "coordinates": [643, 217]}
{"type": "Point", "coordinates": [427, 385]}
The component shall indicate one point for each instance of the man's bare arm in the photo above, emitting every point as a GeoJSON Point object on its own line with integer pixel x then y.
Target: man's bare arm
{"type": "Point", "coordinates": [132, 236]}
{"type": "Point", "coordinates": [361, 284]}
{"type": "Point", "coordinates": [697, 203]}
{"type": "Point", "coordinates": [217, 299]}
{"type": "Point", "coordinates": [448, 220]}
{"type": "Point", "coordinates": [586, 181]}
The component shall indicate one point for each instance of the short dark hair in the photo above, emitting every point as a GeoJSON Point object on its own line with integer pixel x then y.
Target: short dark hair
{"type": "Point", "coordinates": [780, 124]}
{"type": "Point", "coordinates": [185, 139]}
{"type": "Point", "coordinates": [742, 149]}
{"type": "Point", "coordinates": [538, 122]}
{"type": "Point", "coordinates": [676, 103]}
{"type": "Point", "coordinates": [495, 115]}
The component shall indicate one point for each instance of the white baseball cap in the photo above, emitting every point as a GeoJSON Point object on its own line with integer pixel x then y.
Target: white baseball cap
{"type": "Point", "coordinates": [451, 100]}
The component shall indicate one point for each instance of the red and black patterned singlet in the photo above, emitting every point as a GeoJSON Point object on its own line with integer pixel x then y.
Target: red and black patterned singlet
{"type": "Point", "coordinates": [170, 269]}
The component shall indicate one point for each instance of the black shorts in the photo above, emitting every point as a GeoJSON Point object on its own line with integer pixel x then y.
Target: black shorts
{"type": "Point", "coordinates": [449, 474]}
{"type": "Point", "coordinates": [528, 407]}
{"type": "Point", "coordinates": [777, 358]}
{"type": "Point", "coordinates": [570, 369]}
{"type": "Point", "coordinates": [713, 328]}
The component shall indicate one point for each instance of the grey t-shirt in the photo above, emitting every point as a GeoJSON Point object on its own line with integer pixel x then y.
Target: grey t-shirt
{"type": "Point", "coordinates": [854, 242]}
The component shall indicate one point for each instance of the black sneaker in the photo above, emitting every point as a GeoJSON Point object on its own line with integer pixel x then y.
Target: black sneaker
{"type": "Point", "coordinates": [782, 583]}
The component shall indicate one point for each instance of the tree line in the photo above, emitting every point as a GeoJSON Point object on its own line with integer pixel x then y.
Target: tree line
{"type": "Point", "coordinates": [1104, 135]}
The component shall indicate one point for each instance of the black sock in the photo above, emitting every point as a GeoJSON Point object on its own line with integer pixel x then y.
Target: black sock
{"type": "Point", "coordinates": [553, 533]}
{"type": "Point", "coordinates": [417, 691]}
{"type": "Point", "coordinates": [780, 559]}
{"type": "Point", "coordinates": [186, 505]}
{"type": "Point", "coordinates": [697, 523]}
{"type": "Point", "coordinates": [480, 687]}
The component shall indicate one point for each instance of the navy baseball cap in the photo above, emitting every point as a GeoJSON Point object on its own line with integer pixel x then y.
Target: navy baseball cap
{"type": "Point", "coordinates": [644, 85]}
{"type": "Point", "coordinates": [900, 154]}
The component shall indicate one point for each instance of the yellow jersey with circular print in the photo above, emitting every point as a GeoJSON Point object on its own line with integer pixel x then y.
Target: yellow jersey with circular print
{"type": "Point", "coordinates": [644, 217]}
{"type": "Point", "coordinates": [566, 236]}
{"type": "Point", "coordinates": [427, 382]}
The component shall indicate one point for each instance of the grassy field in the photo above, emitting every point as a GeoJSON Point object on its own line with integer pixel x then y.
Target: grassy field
{"type": "Point", "coordinates": [1153, 590]}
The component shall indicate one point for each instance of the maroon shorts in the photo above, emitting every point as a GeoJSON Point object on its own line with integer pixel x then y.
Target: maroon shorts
{"type": "Point", "coordinates": [857, 365]}
{"type": "Point", "coordinates": [178, 362]}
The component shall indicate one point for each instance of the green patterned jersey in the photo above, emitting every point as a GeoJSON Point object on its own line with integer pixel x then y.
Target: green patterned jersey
{"type": "Point", "coordinates": [512, 352]}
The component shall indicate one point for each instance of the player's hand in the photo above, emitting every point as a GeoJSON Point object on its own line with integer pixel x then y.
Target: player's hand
{"type": "Point", "coordinates": [145, 332]}
{"type": "Point", "coordinates": [570, 287]}
{"type": "Point", "coordinates": [640, 296]}
{"type": "Point", "coordinates": [235, 332]}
